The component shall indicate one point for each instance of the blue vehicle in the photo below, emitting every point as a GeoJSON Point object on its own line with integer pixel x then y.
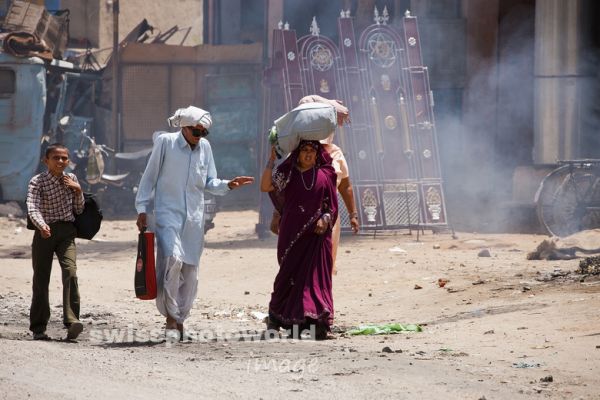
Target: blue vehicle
{"type": "Point", "coordinates": [22, 108]}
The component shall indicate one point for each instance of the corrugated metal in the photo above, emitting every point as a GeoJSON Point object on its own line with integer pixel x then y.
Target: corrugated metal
{"type": "Point", "coordinates": [156, 79]}
{"type": "Point", "coordinates": [145, 98]}
{"type": "Point", "coordinates": [183, 86]}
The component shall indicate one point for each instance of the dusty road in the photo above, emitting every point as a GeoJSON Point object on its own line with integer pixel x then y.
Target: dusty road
{"type": "Point", "coordinates": [498, 329]}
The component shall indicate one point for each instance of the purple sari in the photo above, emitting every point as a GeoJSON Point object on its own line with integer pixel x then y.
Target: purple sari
{"type": "Point", "coordinates": [302, 290]}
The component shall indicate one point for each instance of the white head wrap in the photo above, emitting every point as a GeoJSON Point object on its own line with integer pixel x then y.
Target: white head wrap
{"type": "Point", "coordinates": [190, 116]}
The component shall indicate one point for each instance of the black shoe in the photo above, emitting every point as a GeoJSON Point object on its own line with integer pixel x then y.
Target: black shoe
{"type": "Point", "coordinates": [321, 334]}
{"type": "Point", "coordinates": [75, 328]}
{"type": "Point", "coordinates": [41, 336]}
{"type": "Point", "coordinates": [272, 324]}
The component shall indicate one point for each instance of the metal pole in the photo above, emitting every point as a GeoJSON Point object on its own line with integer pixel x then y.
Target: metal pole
{"type": "Point", "coordinates": [408, 208]}
{"type": "Point", "coordinates": [115, 76]}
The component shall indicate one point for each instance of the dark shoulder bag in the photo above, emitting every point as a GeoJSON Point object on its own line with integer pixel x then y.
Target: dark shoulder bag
{"type": "Point", "coordinates": [89, 221]}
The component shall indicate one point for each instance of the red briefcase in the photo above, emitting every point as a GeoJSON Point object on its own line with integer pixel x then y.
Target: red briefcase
{"type": "Point", "coordinates": [145, 273]}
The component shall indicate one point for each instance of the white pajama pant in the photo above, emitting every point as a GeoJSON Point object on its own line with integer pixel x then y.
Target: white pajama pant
{"type": "Point", "coordinates": [177, 285]}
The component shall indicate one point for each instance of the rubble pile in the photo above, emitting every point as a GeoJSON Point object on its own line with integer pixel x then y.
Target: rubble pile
{"type": "Point", "coordinates": [589, 266]}
{"type": "Point", "coordinates": [32, 31]}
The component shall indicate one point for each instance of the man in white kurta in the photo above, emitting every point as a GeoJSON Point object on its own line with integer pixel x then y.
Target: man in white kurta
{"type": "Point", "coordinates": [181, 167]}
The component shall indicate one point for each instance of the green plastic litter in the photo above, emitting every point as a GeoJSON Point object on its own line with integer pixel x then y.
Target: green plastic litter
{"type": "Point", "coordinates": [384, 329]}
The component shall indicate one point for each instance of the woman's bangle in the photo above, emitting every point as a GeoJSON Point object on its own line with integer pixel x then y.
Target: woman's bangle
{"type": "Point", "coordinates": [353, 215]}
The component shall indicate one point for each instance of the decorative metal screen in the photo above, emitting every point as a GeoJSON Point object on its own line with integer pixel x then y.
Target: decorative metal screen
{"type": "Point", "coordinates": [391, 144]}
{"type": "Point", "coordinates": [401, 204]}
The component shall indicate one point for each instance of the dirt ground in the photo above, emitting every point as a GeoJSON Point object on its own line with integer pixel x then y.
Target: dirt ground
{"type": "Point", "coordinates": [502, 327]}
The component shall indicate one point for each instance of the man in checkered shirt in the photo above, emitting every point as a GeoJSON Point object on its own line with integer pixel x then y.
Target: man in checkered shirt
{"type": "Point", "coordinates": [53, 199]}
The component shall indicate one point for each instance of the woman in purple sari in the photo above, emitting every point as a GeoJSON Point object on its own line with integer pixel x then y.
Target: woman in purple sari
{"type": "Point", "coordinates": [303, 190]}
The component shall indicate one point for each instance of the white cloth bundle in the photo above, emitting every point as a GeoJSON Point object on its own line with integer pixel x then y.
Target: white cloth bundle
{"type": "Point", "coordinates": [342, 111]}
{"type": "Point", "coordinates": [190, 116]}
{"type": "Point", "coordinates": [309, 121]}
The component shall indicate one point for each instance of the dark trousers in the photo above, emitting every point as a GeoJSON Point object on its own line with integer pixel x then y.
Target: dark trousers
{"type": "Point", "coordinates": [62, 243]}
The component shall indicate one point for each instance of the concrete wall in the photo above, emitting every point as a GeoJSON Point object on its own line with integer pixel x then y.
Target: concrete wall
{"type": "Point", "coordinates": [557, 46]}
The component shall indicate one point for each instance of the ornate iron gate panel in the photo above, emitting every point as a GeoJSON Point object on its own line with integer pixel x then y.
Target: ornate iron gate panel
{"type": "Point", "coordinates": [391, 144]}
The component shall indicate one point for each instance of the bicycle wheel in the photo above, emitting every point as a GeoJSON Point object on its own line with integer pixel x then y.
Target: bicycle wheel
{"type": "Point", "coordinates": [563, 198]}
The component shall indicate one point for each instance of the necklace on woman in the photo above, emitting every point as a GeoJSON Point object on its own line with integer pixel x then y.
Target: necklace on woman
{"type": "Point", "coordinates": [313, 179]}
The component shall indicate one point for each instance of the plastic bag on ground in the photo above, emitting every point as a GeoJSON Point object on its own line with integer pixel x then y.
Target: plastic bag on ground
{"type": "Point", "coordinates": [384, 329]}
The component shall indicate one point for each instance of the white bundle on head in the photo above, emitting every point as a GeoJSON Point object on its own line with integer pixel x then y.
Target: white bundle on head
{"type": "Point", "coordinates": [342, 111]}
{"type": "Point", "coordinates": [190, 116]}
{"type": "Point", "coordinates": [310, 121]}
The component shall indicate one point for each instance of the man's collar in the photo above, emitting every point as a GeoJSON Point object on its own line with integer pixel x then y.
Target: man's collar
{"type": "Point", "coordinates": [183, 142]}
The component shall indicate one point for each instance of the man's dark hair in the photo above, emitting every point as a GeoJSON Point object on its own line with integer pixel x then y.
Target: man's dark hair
{"type": "Point", "coordinates": [55, 146]}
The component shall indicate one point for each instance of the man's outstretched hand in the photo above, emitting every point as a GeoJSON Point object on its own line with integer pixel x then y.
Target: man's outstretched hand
{"type": "Point", "coordinates": [239, 181]}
